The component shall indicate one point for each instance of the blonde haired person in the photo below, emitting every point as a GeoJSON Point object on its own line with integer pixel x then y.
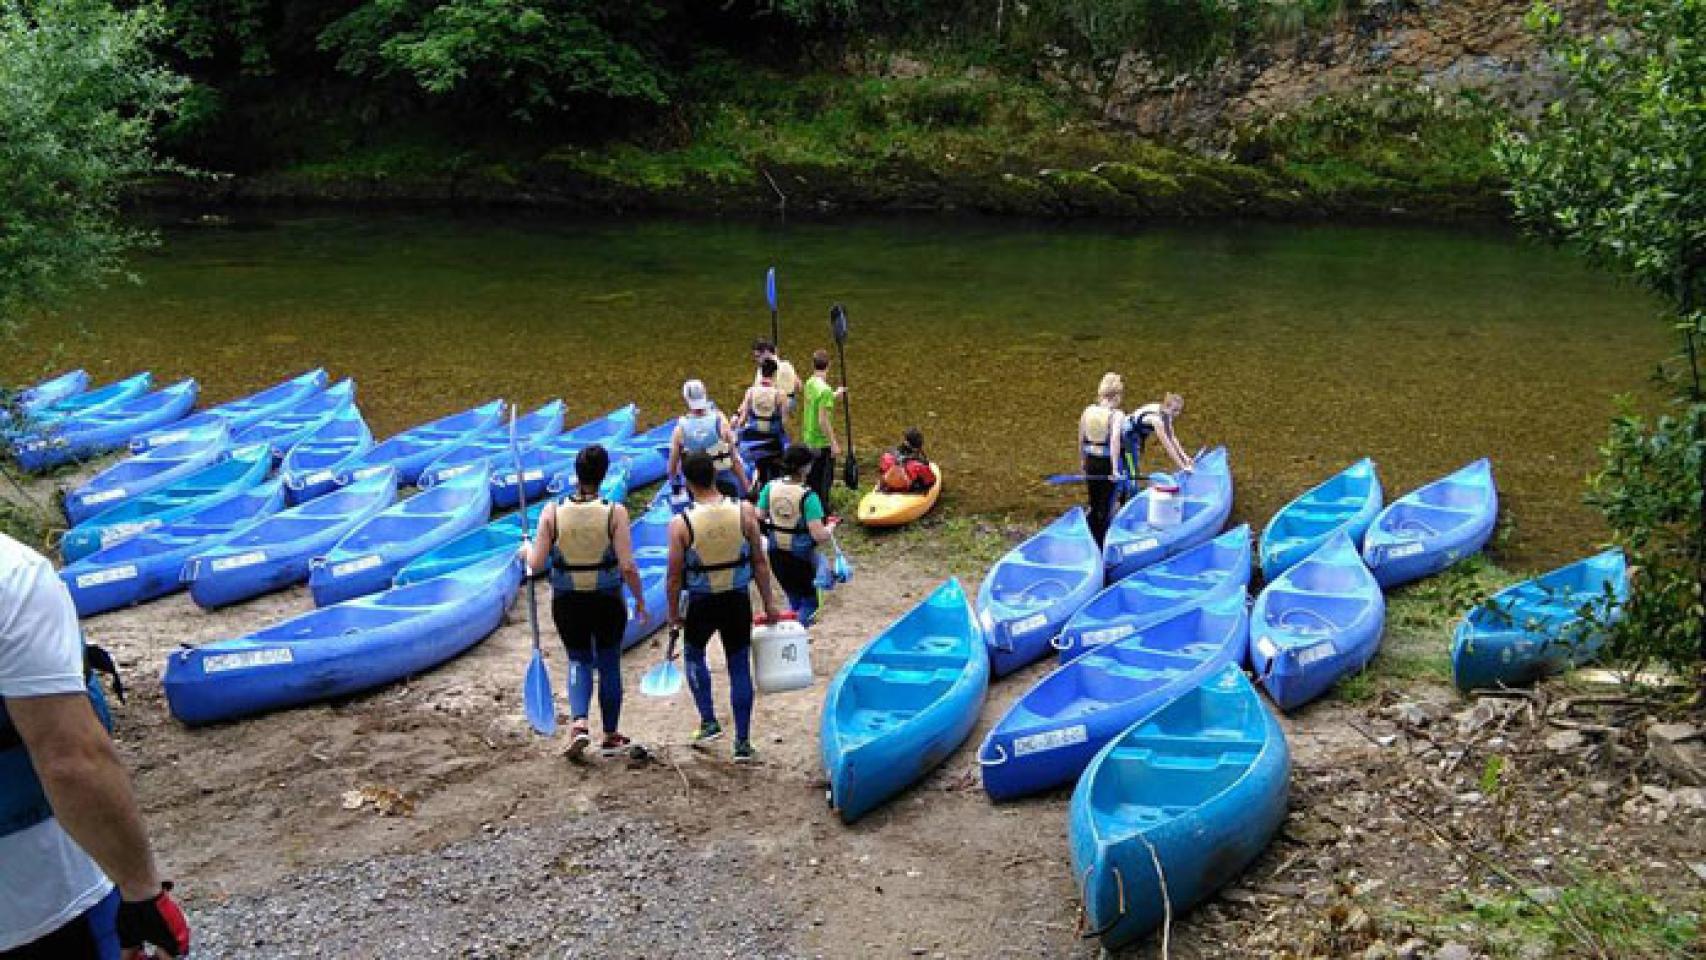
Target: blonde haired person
{"type": "Point", "coordinates": [1100, 428]}
{"type": "Point", "coordinates": [1155, 420]}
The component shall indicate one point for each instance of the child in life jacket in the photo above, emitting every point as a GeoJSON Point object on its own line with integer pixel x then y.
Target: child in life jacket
{"type": "Point", "coordinates": [906, 469]}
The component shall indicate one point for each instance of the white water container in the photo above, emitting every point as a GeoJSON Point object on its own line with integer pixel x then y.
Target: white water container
{"type": "Point", "coordinates": [782, 656]}
{"type": "Point", "coordinates": [1166, 507]}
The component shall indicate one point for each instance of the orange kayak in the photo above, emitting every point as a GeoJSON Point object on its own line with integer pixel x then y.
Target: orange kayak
{"type": "Point", "coordinates": [879, 509]}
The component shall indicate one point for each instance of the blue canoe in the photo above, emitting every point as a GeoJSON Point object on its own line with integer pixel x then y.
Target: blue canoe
{"type": "Point", "coordinates": [311, 466]}
{"type": "Point", "coordinates": [285, 429]}
{"type": "Point", "coordinates": [1132, 544]}
{"type": "Point", "coordinates": [1348, 501]}
{"type": "Point", "coordinates": [502, 535]}
{"type": "Point", "coordinates": [1032, 591]}
{"type": "Point", "coordinates": [1200, 575]}
{"type": "Point", "coordinates": [615, 487]}
{"type": "Point", "coordinates": [342, 649]}
{"type": "Point", "coordinates": [1433, 527]}
{"type": "Point", "coordinates": [904, 702]}
{"type": "Point", "coordinates": [244, 468]}
{"type": "Point", "coordinates": [650, 532]}
{"type": "Point", "coordinates": [413, 449]}
{"type": "Point", "coordinates": [148, 471]}
{"type": "Point", "coordinates": [1198, 786]}
{"type": "Point", "coordinates": [1317, 622]}
{"type": "Point", "coordinates": [1048, 736]}
{"type": "Point", "coordinates": [491, 447]}
{"type": "Point", "coordinates": [95, 432]}
{"type": "Point", "coordinates": [242, 413]}
{"type": "Point", "coordinates": [1541, 627]}
{"type": "Point", "coordinates": [149, 564]}
{"type": "Point", "coordinates": [52, 390]}
{"type": "Point", "coordinates": [366, 559]}
{"type": "Point", "coordinates": [89, 401]}
{"type": "Point", "coordinates": [277, 552]}
{"type": "Point", "coordinates": [545, 461]}
{"type": "Point", "coordinates": [647, 455]}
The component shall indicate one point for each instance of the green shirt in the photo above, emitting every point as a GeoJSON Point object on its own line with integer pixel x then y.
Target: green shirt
{"type": "Point", "coordinates": [819, 396]}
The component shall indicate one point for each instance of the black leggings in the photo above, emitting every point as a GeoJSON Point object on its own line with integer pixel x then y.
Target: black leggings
{"type": "Point", "coordinates": [591, 625]}
{"type": "Point", "coordinates": [729, 616]}
{"type": "Point", "coordinates": [93, 935]}
{"type": "Point", "coordinates": [1099, 487]}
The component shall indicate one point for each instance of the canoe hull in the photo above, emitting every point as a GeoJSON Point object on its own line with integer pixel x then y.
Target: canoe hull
{"type": "Point", "coordinates": [1319, 621]}
{"type": "Point", "coordinates": [104, 430]}
{"type": "Point", "coordinates": [245, 468]}
{"type": "Point", "coordinates": [361, 564]}
{"type": "Point", "coordinates": [1032, 591]}
{"type": "Point", "coordinates": [146, 472]}
{"type": "Point", "coordinates": [1537, 628]}
{"type": "Point", "coordinates": [1348, 501]}
{"type": "Point", "coordinates": [1431, 528]}
{"type": "Point", "coordinates": [1132, 544]}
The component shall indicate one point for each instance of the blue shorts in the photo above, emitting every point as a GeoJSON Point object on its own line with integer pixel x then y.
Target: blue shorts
{"type": "Point", "coordinates": [92, 936]}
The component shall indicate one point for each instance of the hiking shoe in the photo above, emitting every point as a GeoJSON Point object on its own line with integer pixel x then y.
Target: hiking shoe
{"type": "Point", "coordinates": [579, 740]}
{"type": "Point", "coordinates": [744, 752]}
{"type": "Point", "coordinates": [708, 731]}
{"type": "Point", "coordinates": [614, 745]}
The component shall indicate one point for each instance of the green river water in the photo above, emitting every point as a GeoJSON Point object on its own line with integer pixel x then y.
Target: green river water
{"type": "Point", "coordinates": [1299, 347]}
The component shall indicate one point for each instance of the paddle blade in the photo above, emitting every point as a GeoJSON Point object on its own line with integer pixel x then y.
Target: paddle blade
{"type": "Point", "coordinates": [537, 697]}
{"type": "Point", "coordinates": [850, 474]}
{"type": "Point", "coordinates": [838, 322]}
{"type": "Point", "coordinates": [662, 680]}
{"type": "Point", "coordinates": [770, 288]}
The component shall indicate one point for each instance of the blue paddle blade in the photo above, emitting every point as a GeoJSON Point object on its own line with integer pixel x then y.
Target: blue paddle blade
{"type": "Point", "coordinates": [537, 697]}
{"type": "Point", "coordinates": [770, 287]}
{"type": "Point", "coordinates": [843, 569]}
{"type": "Point", "coordinates": [662, 680]}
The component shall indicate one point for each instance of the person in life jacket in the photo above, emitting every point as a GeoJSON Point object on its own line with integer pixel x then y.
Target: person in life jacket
{"type": "Point", "coordinates": [760, 423]}
{"type": "Point", "coordinates": [1100, 427]}
{"type": "Point", "coordinates": [704, 430]}
{"type": "Point", "coordinates": [1155, 420]}
{"type": "Point", "coordinates": [716, 551]}
{"type": "Point", "coordinates": [793, 516]}
{"type": "Point", "coordinates": [906, 469]}
{"type": "Point", "coordinates": [785, 378]}
{"type": "Point", "coordinates": [77, 874]}
{"type": "Point", "coordinates": [585, 544]}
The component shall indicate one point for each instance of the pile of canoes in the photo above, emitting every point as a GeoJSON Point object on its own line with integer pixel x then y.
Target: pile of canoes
{"type": "Point", "coordinates": [1154, 712]}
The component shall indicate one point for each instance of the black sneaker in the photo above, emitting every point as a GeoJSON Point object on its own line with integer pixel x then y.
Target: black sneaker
{"type": "Point", "coordinates": [708, 731]}
{"type": "Point", "coordinates": [744, 752]}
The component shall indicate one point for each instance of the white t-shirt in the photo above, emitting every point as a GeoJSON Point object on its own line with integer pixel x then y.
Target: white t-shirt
{"type": "Point", "coordinates": [46, 880]}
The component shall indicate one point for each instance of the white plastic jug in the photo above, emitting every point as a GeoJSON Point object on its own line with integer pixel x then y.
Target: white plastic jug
{"type": "Point", "coordinates": [781, 653]}
{"type": "Point", "coordinates": [1166, 507]}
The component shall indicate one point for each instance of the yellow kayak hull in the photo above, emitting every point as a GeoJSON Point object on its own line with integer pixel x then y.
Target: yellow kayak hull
{"type": "Point", "coordinates": [878, 509]}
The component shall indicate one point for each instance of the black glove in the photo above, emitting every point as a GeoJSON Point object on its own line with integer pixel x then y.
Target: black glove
{"type": "Point", "coordinates": [156, 922]}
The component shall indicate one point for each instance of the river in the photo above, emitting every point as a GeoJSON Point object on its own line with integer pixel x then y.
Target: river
{"type": "Point", "coordinates": [1301, 348]}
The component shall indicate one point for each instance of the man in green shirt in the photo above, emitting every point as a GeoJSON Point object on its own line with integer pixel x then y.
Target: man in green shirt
{"type": "Point", "coordinates": [817, 426]}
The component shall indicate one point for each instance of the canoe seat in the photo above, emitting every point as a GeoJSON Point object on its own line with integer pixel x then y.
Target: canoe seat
{"type": "Point", "coordinates": [885, 673]}
{"type": "Point", "coordinates": [1182, 584]}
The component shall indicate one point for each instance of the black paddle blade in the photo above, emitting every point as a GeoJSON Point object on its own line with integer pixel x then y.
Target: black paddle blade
{"type": "Point", "coordinates": [838, 322]}
{"type": "Point", "coordinates": [850, 473]}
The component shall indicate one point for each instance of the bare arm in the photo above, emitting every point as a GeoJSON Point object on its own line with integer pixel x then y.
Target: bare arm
{"type": "Point", "coordinates": [1170, 442]}
{"type": "Point", "coordinates": [87, 787]}
{"type": "Point", "coordinates": [539, 551]}
{"type": "Point", "coordinates": [734, 452]}
{"type": "Point", "coordinates": [819, 532]}
{"type": "Point", "coordinates": [677, 566]}
{"type": "Point", "coordinates": [760, 558]}
{"type": "Point", "coordinates": [1116, 440]}
{"type": "Point", "coordinates": [745, 407]}
{"type": "Point", "coordinates": [675, 452]}
{"type": "Point", "coordinates": [622, 540]}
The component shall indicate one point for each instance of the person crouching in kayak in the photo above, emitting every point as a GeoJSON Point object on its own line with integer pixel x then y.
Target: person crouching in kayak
{"type": "Point", "coordinates": [1099, 430]}
{"type": "Point", "coordinates": [704, 430]}
{"type": "Point", "coordinates": [716, 551]}
{"type": "Point", "coordinates": [759, 423]}
{"type": "Point", "coordinates": [792, 516]}
{"type": "Point", "coordinates": [585, 542]}
{"type": "Point", "coordinates": [906, 469]}
{"type": "Point", "coordinates": [1154, 419]}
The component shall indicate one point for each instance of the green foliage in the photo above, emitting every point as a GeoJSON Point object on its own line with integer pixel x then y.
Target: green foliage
{"type": "Point", "coordinates": [1180, 33]}
{"type": "Point", "coordinates": [80, 94]}
{"type": "Point", "coordinates": [1617, 169]}
{"type": "Point", "coordinates": [1597, 911]}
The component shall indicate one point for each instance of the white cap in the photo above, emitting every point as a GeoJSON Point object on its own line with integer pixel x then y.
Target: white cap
{"type": "Point", "coordinates": [693, 391]}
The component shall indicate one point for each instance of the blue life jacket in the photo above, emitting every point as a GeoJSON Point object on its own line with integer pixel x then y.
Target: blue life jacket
{"type": "Point", "coordinates": [702, 433]}
{"type": "Point", "coordinates": [23, 802]}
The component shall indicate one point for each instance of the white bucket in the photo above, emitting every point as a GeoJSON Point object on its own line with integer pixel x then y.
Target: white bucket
{"type": "Point", "coordinates": [781, 654]}
{"type": "Point", "coordinates": [1166, 507]}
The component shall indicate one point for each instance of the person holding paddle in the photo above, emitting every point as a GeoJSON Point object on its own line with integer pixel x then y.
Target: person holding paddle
{"type": "Point", "coordinates": [1155, 419]}
{"type": "Point", "coordinates": [716, 551]}
{"type": "Point", "coordinates": [785, 379]}
{"type": "Point", "coordinates": [585, 542]}
{"type": "Point", "coordinates": [793, 516]}
{"type": "Point", "coordinates": [704, 430]}
{"type": "Point", "coordinates": [760, 422]}
{"type": "Point", "coordinates": [1100, 427]}
{"type": "Point", "coordinates": [817, 426]}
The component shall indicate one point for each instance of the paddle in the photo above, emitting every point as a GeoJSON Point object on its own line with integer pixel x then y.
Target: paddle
{"type": "Point", "coordinates": [664, 679]}
{"type": "Point", "coordinates": [770, 295]}
{"type": "Point", "coordinates": [537, 698]}
{"type": "Point", "coordinates": [838, 326]}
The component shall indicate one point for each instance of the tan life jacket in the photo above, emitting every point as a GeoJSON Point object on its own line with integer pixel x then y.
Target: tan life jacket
{"type": "Point", "coordinates": [718, 558]}
{"type": "Point", "coordinates": [1095, 431]}
{"type": "Point", "coordinates": [586, 545]}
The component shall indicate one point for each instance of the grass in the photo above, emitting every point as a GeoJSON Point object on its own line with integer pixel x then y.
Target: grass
{"type": "Point", "coordinates": [1596, 914]}
{"type": "Point", "coordinates": [962, 546]}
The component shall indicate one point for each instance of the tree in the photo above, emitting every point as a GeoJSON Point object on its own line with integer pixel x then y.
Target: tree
{"type": "Point", "coordinates": [80, 96]}
{"type": "Point", "coordinates": [1617, 170]}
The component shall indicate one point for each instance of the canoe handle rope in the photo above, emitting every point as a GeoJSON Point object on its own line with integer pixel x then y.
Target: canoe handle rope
{"type": "Point", "coordinates": [1308, 614]}
{"type": "Point", "coordinates": [1000, 759]}
{"type": "Point", "coordinates": [1033, 585]}
{"type": "Point", "coordinates": [1413, 525]}
{"type": "Point", "coordinates": [1060, 642]}
{"type": "Point", "coordinates": [1119, 885]}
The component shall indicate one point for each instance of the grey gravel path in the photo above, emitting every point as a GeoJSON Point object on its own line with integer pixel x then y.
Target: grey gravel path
{"type": "Point", "coordinates": [588, 888]}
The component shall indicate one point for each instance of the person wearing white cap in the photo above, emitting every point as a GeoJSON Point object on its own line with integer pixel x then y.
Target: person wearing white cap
{"type": "Point", "coordinates": [705, 430]}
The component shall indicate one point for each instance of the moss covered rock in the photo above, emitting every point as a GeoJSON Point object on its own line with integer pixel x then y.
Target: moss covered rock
{"type": "Point", "coordinates": [1153, 191]}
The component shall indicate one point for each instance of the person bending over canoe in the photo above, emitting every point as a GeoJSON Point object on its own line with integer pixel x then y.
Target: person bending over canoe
{"type": "Point", "coordinates": [759, 423]}
{"type": "Point", "coordinates": [1155, 419]}
{"type": "Point", "coordinates": [906, 469]}
{"type": "Point", "coordinates": [1099, 437]}
{"type": "Point", "coordinates": [716, 551]}
{"type": "Point", "coordinates": [585, 542]}
{"type": "Point", "coordinates": [705, 430]}
{"type": "Point", "coordinates": [792, 515]}
{"type": "Point", "coordinates": [786, 379]}
{"type": "Point", "coordinates": [817, 426]}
